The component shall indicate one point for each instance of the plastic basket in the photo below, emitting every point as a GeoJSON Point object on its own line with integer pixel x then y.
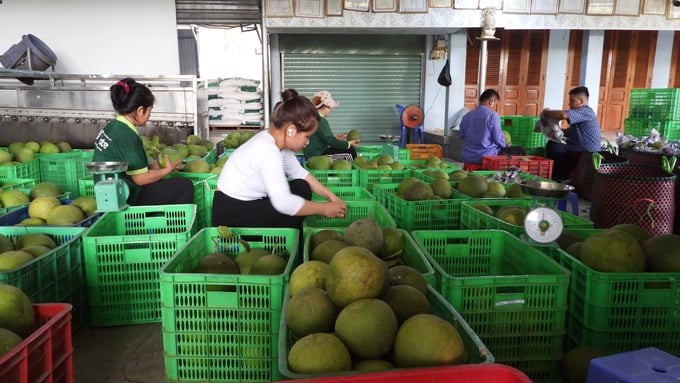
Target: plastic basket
{"type": "Point", "coordinates": [47, 354]}
{"type": "Point", "coordinates": [65, 169]}
{"type": "Point", "coordinates": [336, 177]}
{"type": "Point", "coordinates": [424, 151]}
{"type": "Point", "coordinates": [413, 256]}
{"type": "Point", "coordinates": [514, 296]}
{"type": "Point", "coordinates": [16, 183]}
{"type": "Point", "coordinates": [203, 219]}
{"type": "Point", "coordinates": [15, 216]}
{"type": "Point", "coordinates": [475, 219]}
{"type": "Point", "coordinates": [355, 210]}
{"type": "Point", "coordinates": [641, 127]}
{"type": "Point", "coordinates": [348, 193]}
{"type": "Point", "coordinates": [209, 187]}
{"type": "Point", "coordinates": [425, 214]}
{"type": "Point", "coordinates": [124, 252]}
{"type": "Point", "coordinates": [477, 351]}
{"type": "Point", "coordinates": [521, 129]}
{"type": "Point", "coordinates": [30, 169]}
{"type": "Point", "coordinates": [539, 166]}
{"type": "Point", "coordinates": [223, 327]}
{"type": "Point", "coordinates": [371, 152]}
{"type": "Point", "coordinates": [86, 186]}
{"type": "Point", "coordinates": [660, 104]}
{"type": "Point", "coordinates": [370, 177]}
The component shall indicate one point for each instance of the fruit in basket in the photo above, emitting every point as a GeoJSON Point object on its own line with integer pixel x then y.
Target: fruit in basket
{"type": "Point", "coordinates": [372, 365]}
{"type": "Point", "coordinates": [393, 243]}
{"type": "Point", "coordinates": [45, 189]}
{"type": "Point", "coordinates": [199, 165]}
{"type": "Point", "coordinates": [319, 163]}
{"type": "Point", "coordinates": [512, 215]}
{"type": "Point", "coordinates": [406, 301]}
{"type": "Point", "coordinates": [407, 275]}
{"type": "Point", "coordinates": [458, 175]}
{"type": "Point", "coordinates": [196, 150]}
{"type": "Point", "coordinates": [16, 311]}
{"type": "Point", "coordinates": [397, 166]}
{"type": "Point", "coordinates": [427, 340]}
{"type": "Point", "coordinates": [5, 244]}
{"type": "Point", "coordinates": [367, 328]}
{"type": "Point", "coordinates": [49, 148]}
{"type": "Point", "coordinates": [31, 239]}
{"type": "Point", "coordinates": [31, 222]}
{"type": "Point", "coordinates": [483, 208]}
{"type": "Point", "coordinates": [64, 147]}
{"type": "Point", "coordinates": [433, 162]}
{"type": "Point", "coordinates": [324, 235]}
{"type": "Point", "coordinates": [310, 311]}
{"type": "Point", "coordinates": [341, 165]}
{"type": "Point", "coordinates": [419, 191]}
{"type": "Point", "coordinates": [245, 259]}
{"type": "Point", "coordinates": [613, 251]}
{"type": "Point", "coordinates": [309, 274]}
{"type": "Point", "coordinates": [173, 154]}
{"type": "Point", "coordinates": [319, 353]}
{"type": "Point", "coordinates": [405, 185]}
{"type": "Point", "coordinates": [270, 264]}
{"type": "Point", "coordinates": [385, 159]}
{"type": "Point", "coordinates": [355, 273]}
{"type": "Point", "coordinates": [635, 231]}
{"type": "Point", "coordinates": [41, 207]}
{"type": "Point", "coordinates": [365, 233]}
{"type": "Point", "coordinates": [87, 204]}
{"type": "Point", "coordinates": [14, 197]}
{"type": "Point", "coordinates": [8, 340]}
{"type": "Point", "coordinates": [663, 253]}
{"type": "Point", "coordinates": [24, 155]}
{"type": "Point", "coordinates": [567, 238]}
{"type": "Point", "coordinates": [515, 191]}
{"type": "Point", "coordinates": [327, 249]}
{"type": "Point", "coordinates": [353, 135]}
{"type": "Point", "coordinates": [5, 156]}
{"type": "Point", "coordinates": [216, 263]}
{"type": "Point", "coordinates": [14, 147]}
{"type": "Point", "coordinates": [473, 185]}
{"type": "Point", "coordinates": [36, 250]}
{"type": "Point", "coordinates": [65, 215]}
{"type": "Point", "coordinates": [495, 190]}
{"type": "Point", "coordinates": [575, 250]}
{"type": "Point", "coordinates": [442, 188]}
{"type": "Point", "coordinates": [576, 362]}
{"type": "Point", "coordinates": [437, 174]}
{"type": "Point", "coordinates": [32, 146]}
{"type": "Point", "coordinates": [13, 259]}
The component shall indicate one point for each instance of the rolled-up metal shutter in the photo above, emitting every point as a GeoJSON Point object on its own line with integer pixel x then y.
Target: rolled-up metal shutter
{"type": "Point", "coordinates": [368, 84]}
{"type": "Point", "coordinates": [223, 13]}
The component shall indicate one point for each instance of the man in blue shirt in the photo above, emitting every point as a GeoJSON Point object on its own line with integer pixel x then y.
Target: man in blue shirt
{"type": "Point", "coordinates": [583, 133]}
{"type": "Point", "coordinates": [480, 129]}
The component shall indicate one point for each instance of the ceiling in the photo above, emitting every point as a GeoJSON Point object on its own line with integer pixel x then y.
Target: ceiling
{"type": "Point", "coordinates": [219, 13]}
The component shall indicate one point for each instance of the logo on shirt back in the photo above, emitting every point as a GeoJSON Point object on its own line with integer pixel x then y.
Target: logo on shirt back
{"type": "Point", "coordinates": [102, 141]}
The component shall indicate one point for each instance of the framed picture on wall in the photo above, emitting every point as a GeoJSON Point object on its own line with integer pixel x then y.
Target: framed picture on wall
{"type": "Point", "coordinates": [280, 8]}
{"type": "Point", "coordinates": [516, 6]}
{"type": "Point", "coordinates": [654, 7]}
{"type": "Point", "coordinates": [333, 8]}
{"type": "Point", "coordinates": [309, 8]}
{"type": "Point", "coordinates": [572, 6]}
{"type": "Point", "coordinates": [384, 6]}
{"type": "Point", "coordinates": [413, 6]}
{"type": "Point", "coordinates": [490, 4]}
{"type": "Point", "coordinates": [544, 7]}
{"type": "Point", "coordinates": [356, 5]}
{"type": "Point", "coordinates": [600, 7]}
{"type": "Point", "coordinates": [440, 3]}
{"type": "Point", "coordinates": [466, 4]}
{"type": "Point", "coordinates": [627, 8]}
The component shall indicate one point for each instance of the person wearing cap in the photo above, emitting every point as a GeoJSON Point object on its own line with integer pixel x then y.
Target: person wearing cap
{"type": "Point", "coordinates": [323, 142]}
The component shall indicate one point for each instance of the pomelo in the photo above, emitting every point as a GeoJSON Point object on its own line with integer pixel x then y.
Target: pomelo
{"type": "Point", "coordinates": [367, 327]}
{"type": "Point", "coordinates": [355, 273]}
{"type": "Point", "coordinates": [309, 274]}
{"type": "Point", "coordinates": [427, 340]}
{"type": "Point", "coordinates": [319, 353]}
{"type": "Point", "coordinates": [16, 311]}
{"type": "Point", "coordinates": [310, 311]}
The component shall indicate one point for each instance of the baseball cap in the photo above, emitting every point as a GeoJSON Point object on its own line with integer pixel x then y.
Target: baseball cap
{"type": "Point", "coordinates": [326, 99]}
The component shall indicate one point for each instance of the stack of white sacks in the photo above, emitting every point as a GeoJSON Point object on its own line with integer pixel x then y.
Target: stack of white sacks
{"type": "Point", "coordinates": [235, 102]}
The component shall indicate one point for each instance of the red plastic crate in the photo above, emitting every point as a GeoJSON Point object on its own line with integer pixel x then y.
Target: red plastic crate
{"type": "Point", "coordinates": [47, 354]}
{"type": "Point", "coordinates": [480, 373]}
{"type": "Point", "coordinates": [529, 164]}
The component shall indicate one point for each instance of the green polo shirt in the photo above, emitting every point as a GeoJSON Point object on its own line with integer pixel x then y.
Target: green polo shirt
{"type": "Point", "coordinates": [120, 141]}
{"type": "Point", "coordinates": [323, 139]}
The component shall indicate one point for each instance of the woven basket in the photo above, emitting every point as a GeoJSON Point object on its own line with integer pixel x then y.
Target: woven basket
{"type": "Point", "coordinates": [585, 172]}
{"type": "Point", "coordinates": [625, 193]}
{"type": "Point", "coordinates": [636, 157]}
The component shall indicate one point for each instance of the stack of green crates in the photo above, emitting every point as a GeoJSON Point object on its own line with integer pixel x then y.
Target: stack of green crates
{"type": "Point", "coordinates": [224, 327]}
{"type": "Point", "coordinates": [124, 252]}
{"type": "Point", "coordinates": [521, 129]}
{"type": "Point", "coordinates": [30, 169]}
{"type": "Point", "coordinates": [65, 169]}
{"type": "Point", "coordinates": [654, 109]}
{"type": "Point", "coordinates": [512, 295]}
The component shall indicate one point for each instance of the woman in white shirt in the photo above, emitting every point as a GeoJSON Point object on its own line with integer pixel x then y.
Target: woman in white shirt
{"type": "Point", "coordinates": [253, 188]}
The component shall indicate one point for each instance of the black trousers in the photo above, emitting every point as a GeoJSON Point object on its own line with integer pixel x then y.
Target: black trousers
{"type": "Point", "coordinates": [565, 158]}
{"type": "Point", "coordinates": [168, 191]}
{"type": "Point", "coordinates": [228, 211]}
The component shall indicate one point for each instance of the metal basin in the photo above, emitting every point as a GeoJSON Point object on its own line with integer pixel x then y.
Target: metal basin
{"type": "Point", "coordinates": [546, 189]}
{"type": "Point", "coordinates": [106, 166]}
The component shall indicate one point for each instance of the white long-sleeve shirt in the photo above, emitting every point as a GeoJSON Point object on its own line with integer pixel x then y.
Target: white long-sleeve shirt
{"type": "Point", "coordinates": [258, 169]}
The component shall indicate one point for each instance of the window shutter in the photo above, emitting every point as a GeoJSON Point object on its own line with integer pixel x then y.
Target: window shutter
{"type": "Point", "coordinates": [622, 54]}
{"type": "Point", "coordinates": [575, 56]}
{"type": "Point", "coordinates": [472, 58]}
{"type": "Point", "coordinates": [536, 49]}
{"type": "Point", "coordinates": [674, 81]}
{"type": "Point", "coordinates": [645, 50]}
{"type": "Point", "coordinates": [606, 57]}
{"type": "Point", "coordinates": [513, 64]}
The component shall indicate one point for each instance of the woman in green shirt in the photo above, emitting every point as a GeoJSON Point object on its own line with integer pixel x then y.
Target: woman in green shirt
{"type": "Point", "coordinates": [323, 142]}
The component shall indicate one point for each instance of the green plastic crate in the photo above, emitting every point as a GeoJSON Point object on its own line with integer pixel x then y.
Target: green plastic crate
{"type": "Point", "coordinates": [355, 210]}
{"type": "Point", "coordinates": [413, 255]}
{"type": "Point", "coordinates": [347, 193]}
{"type": "Point", "coordinates": [640, 127]}
{"type": "Point", "coordinates": [124, 252]}
{"type": "Point", "coordinates": [223, 327]}
{"type": "Point", "coordinates": [425, 214]}
{"type": "Point", "coordinates": [65, 169]}
{"type": "Point", "coordinates": [477, 351]}
{"type": "Point", "coordinates": [209, 188]}
{"type": "Point", "coordinates": [336, 178]}
{"type": "Point", "coordinates": [656, 104]}
{"type": "Point", "coordinates": [203, 219]}
{"type": "Point", "coordinates": [514, 296]}
{"type": "Point", "coordinates": [472, 218]}
{"type": "Point", "coordinates": [521, 129]}
{"type": "Point", "coordinates": [370, 177]}
{"type": "Point", "coordinates": [17, 183]}
{"type": "Point", "coordinates": [371, 152]}
{"type": "Point", "coordinates": [30, 169]}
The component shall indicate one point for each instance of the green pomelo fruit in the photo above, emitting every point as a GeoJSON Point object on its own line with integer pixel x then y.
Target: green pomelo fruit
{"type": "Point", "coordinates": [181, 149]}
{"type": "Point", "coordinates": [221, 161]}
{"type": "Point", "coordinates": [663, 253]}
{"type": "Point", "coordinates": [13, 259]}
{"type": "Point", "coordinates": [406, 301]}
{"type": "Point", "coordinates": [270, 264]}
{"type": "Point", "coordinates": [24, 155]}
{"type": "Point", "coordinates": [426, 340]}
{"type": "Point", "coordinates": [385, 159]}
{"type": "Point", "coordinates": [31, 239]}
{"type": "Point", "coordinates": [14, 147]}
{"type": "Point", "coordinates": [341, 165]}
{"type": "Point", "coordinates": [405, 185]}
{"type": "Point", "coordinates": [367, 327]}
{"type": "Point", "coordinates": [458, 175]}
{"type": "Point", "coordinates": [65, 215]}
{"type": "Point", "coordinates": [407, 275]}
{"type": "Point", "coordinates": [575, 250]}
{"type": "Point", "coordinates": [8, 340]}
{"type": "Point", "coordinates": [365, 233]}
{"type": "Point", "coordinates": [635, 231]}
{"type": "Point", "coordinates": [216, 170]}
{"type": "Point", "coordinates": [513, 216]}
{"type": "Point", "coordinates": [324, 235]}
{"type": "Point", "coordinates": [419, 191]}
{"type": "Point", "coordinates": [385, 167]}
{"type": "Point", "coordinates": [496, 188]}
{"type": "Point", "coordinates": [319, 163]}
{"type": "Point", "coordinates": [33, 146]}
{"type": "Point", "coordinates": [198, 165]}
{"type": "Point", "coordinates": [5, 244]}
{"type": "Point", "coordinates": [31, 222]}
{"type": "Point", "coordinates": [245, 260]}
{"type": "Point", "coordinates": [309, 274]}
{"type": "Point", "coordinates": [576, 362]}
{"type": "Point", "coordinates": [355, 273]}
{"type": "Point", "coordinates": [216, 263]}
{"type": "Point", "coordinates": [49, 148]}
{"type": "Point", "coordinates": [36, 250]}
{"type": "Point", "coordinates": [483, 208]}
{"type": "Point", "coordinates": [397, 166]}
{"type": "Point", "coordinates": [12, 198]}
{"type": "Point", "coordinates": [473, 185]}
{"type": "Point", "coordinates": [310, 311]}
{"type": "Point", "coordinates": [193, 139]}
{"type": "Point", "coordinates": [439, 174]}
{"type": "Point", "coordinates": [318, 354]}
{"type": "Point", "coordinates": [353, 135]}
{"type": "Point", "coordinates": [393, 242]}
{"type": "Point", "coordinates": [360, 160]}
{"type": "Point", "coordinates": [373, 365]}
{"type": "Point", "coordinates": [87, 204]}
{"type": "Point", "coordinates": [16, 311]}
{"type": "Point", "coordinates": [442, 188]}
{"type": "Point", "coordinates": [197, 150]}
{"type": "Point", "coordinates": [327, 249]}
{"type": "Point", "coordinates": [432, 162]}
{"type": "Point", "coordinates": [5, 156]}
{"type": "Point", "coordinates": [64, 147]}
{"type": "Point", "coordinates": [613, 251]}
{"type": "Point", "coordinates": [515, 191]}
{"type": "Point", "coordinates": [41, 207]}
{"type": "Point", "coordinates": [567, 238]}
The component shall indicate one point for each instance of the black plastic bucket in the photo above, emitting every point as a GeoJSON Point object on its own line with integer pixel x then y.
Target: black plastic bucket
{"type": "Point", "coordinates": [16, 57]}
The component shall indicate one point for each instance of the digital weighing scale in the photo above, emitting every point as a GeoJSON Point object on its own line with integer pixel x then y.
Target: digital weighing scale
{"type": "Point", "coordinates": [110, 191]}
{"type": "Point", "coordinates": [542, 224]}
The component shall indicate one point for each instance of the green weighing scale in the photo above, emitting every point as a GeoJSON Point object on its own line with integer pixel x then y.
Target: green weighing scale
{"type": "Point", "coordinates": [542, 224]}
{"type": "Point", "coordinates": [110, 191]}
